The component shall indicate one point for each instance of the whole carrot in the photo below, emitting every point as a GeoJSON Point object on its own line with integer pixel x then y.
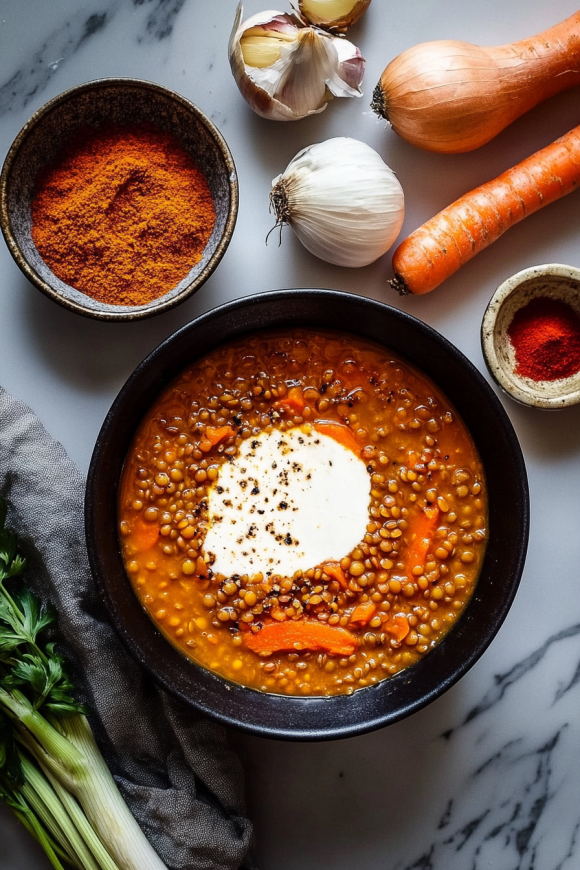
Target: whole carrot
{"type": "Point", "coordinates": [437, 249]}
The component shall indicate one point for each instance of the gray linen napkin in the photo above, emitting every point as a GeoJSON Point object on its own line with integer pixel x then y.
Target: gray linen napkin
{"type": "Point", "coordinates": [173, 766]}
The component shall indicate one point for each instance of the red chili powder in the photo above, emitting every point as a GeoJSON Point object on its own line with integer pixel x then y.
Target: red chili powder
{"type": "Point", "coordinates": [545, 335]}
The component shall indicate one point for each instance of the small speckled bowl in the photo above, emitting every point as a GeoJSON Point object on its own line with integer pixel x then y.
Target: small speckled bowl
{"type": "Point", "coordinates": [120, 101]}
{"type": "Point", "coordinates": [554, 281]}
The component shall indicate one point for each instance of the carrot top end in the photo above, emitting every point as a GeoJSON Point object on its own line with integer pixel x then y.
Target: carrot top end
{"type": "Point", "coordinates": [399, 284]}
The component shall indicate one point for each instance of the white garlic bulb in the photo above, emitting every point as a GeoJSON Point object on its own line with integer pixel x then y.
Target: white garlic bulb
{"type": "Point", "coordinates": [287, 70]}
{"type": "Point", "coordinates": [342, 201]}
{"type": "Point", "coordinates": [335, 15]}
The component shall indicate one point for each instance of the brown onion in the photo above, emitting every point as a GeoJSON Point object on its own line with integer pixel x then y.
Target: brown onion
{"type": "Point", "coordinates": [450, 96]}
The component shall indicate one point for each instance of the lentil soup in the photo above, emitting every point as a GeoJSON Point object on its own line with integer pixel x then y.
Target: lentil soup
{"type": "Point", "coordinates": [372, 604]}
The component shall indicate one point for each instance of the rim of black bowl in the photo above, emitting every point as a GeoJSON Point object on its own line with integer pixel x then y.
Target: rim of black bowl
{"type": "Point", "coordinates": [391, 699]}
{"type": "Point", "coordinates": [160, 304]}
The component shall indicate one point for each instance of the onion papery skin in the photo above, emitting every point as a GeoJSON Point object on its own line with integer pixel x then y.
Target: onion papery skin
{"type": "Point", "coordinates": [451, 97]}
{"type": "Point", "coordinates": [336, 25]}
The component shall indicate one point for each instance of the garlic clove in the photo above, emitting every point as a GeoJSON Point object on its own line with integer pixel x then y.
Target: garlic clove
{"type": "Point", "coordinates": [263, 51]}
{"type": "Point", "coordinates": [351, 65]}
{"type": "Point", "coordinates": [247, 77]}
{"type": "Point", "coordinates": [335, 15]}
{"type": "Point", "coordinates": [286, 70]}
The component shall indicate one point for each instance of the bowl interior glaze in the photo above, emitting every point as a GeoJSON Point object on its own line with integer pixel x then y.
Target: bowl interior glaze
{"type": "Point", "coordinates": [391, 699]}
{"type": "Point", "coordinates": [122, 102]}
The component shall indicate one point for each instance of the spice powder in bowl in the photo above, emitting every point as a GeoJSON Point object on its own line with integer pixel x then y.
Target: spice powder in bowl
{"type": "Point", "coordinates": [531, 336]}
{"type": "Point", "coordinates": [545, 334]}
{"type": "Point", "coordinates": [123, 214]}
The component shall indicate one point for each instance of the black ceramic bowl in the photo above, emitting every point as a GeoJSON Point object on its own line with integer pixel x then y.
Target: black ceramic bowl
{"type": "Point", "coordinates": [119, 101]}
{"type": "Point", "coordinates": [407, 691]}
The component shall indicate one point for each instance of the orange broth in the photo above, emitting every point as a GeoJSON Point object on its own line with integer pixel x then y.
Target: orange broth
{"type": "Point", "coordinates": [337, 626]}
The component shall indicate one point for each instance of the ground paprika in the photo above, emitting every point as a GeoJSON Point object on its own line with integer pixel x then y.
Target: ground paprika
{"type": "Point", "coordinates": [545, 335]}
{"type": "Point", "coordinates": [123, 215]}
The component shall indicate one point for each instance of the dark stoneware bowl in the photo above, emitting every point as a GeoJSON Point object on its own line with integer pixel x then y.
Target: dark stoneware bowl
{"type": "Point", "coordinates": [121, 101]}
{"type": "Point", "coordinates": [395, 697]}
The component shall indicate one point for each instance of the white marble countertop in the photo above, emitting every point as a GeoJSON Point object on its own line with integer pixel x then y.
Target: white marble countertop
{"type": "Point", "coordinates": [489, 775]}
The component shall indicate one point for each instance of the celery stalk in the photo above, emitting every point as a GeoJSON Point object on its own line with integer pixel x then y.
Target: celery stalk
{"type": "Point", "coordinates": [55, 816]}
{"type": "Point", "coordinates": [30, 822]}
{"type": "Point", "coordinates": [51, 771]}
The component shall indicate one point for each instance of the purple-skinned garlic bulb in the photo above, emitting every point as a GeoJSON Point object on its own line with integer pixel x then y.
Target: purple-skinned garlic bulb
{"type": "Point", "coordinates": [287, 70]}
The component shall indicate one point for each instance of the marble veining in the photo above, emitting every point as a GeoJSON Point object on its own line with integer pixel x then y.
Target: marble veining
{"type": "Point", "coordinates": [502, 682]}
{"type": "Point", "coordinates": [42, 63]}
{"type": "Point", "coordinates": [65, 39]}
{"type": "Point", "coordinates": [508, 832]}
{"type": "Point", "coordinates": [161, 19]}
{"type": "Point", "coordinates": [515, 790]}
